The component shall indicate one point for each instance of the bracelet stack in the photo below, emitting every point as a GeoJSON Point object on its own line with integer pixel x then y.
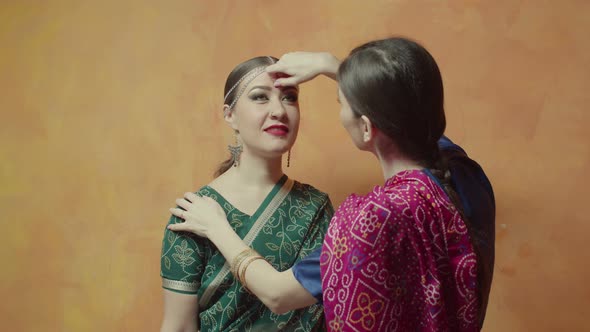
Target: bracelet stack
{"type": "Point", "coordinates": [240, 264]}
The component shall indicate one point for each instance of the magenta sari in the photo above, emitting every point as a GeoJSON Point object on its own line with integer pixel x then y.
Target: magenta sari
{"type": "Point", "coordinates": [399, 259]}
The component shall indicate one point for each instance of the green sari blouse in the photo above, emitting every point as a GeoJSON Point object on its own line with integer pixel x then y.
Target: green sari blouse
{"type": "Point", "coordinates": [288, 225]}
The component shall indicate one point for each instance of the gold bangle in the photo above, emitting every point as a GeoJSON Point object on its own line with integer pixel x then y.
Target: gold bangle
{"type": "Point", "coordinates": [237, 261]}
{"type": "Point", "coordinates": [242, 273]}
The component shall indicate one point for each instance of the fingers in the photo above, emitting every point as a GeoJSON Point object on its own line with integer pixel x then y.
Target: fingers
{"type": "Point", "coordinates": [276, 68]}
{"type": "Point", "coordinates": [183, 203]}
{"type": "Point", "coordinates": [191, 197]}
{"type": "Point", "coordinates": [178, 212]}
{"type": "Point", "coordinates": [181, 227]}
{"type": "Point", "coordinates": [288, 81]}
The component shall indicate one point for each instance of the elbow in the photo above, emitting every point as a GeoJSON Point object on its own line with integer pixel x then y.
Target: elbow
{"type": "Point", "coordinates": [278, 304]}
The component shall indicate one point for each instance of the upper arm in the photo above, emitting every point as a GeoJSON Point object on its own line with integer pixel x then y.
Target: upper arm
{"type": "Point", "coordinates": [182, 261]}
{"type": "Point", "coordinates": [307, 273]}
{"type": "Point", "coordinates": [181, 312]}
{"type": "Point", "coordinates": [182, 264]}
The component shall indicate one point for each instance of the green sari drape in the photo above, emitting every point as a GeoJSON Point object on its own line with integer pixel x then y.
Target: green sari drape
{"type": "Point", "coordinates": [288, 225]}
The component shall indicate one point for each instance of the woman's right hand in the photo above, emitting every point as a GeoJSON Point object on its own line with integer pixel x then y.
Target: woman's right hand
{"type": "Point", "coordinates": [299, 67]}
{"type": "Point", "coordinates": [202, 216]}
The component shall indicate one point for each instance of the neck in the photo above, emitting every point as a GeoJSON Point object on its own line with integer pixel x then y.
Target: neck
{"type": "Point", "coordinates": [257, 171]}
{"type": "Point", "coordinates": [393, 162]}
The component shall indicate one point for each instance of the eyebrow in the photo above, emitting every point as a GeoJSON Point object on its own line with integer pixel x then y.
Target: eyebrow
{"type": "Point", "coordinates": [290, 88]}
{"type": "Point", "coordinates": [264, 87]}
{"type": "Point", "coordinates": [268, 88]}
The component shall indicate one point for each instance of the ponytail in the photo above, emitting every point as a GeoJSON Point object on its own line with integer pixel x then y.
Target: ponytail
{"type": "Point", "coordinates": [224, 167]}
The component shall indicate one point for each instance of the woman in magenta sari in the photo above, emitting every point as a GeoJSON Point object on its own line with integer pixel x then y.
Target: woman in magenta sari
{"type": "Point", "coordinates": [399, 258]}
{"type": "Point", "coordinates": [403, 257]}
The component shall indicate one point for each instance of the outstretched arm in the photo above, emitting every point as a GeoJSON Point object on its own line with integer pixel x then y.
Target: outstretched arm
{"type": "Point", "coordinates": [279, 291]}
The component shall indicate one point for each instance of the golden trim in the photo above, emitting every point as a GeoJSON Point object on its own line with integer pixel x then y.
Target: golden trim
{"type": "Point", "coordinates": [180, 285]}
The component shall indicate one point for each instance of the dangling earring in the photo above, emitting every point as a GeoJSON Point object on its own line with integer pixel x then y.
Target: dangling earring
{"type": "Point", "coordinates": [235, 150]}
{"type": "Point", "coordinates": [289, 158]}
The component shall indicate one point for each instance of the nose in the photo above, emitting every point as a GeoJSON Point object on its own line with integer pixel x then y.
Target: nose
{"type": "Point", "coordinates": [277, 109]}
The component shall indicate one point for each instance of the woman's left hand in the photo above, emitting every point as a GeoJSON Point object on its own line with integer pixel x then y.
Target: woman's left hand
{"type": "Point", "coordinates": [201, 215]}
{"type": "Point", "coordinates": [297, 67]}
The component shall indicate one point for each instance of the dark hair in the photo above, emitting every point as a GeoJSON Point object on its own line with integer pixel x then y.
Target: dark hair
{"type": "Point", "coordinates": [397, 84]}
{"type": "Point", "coordinates": [234, 77]}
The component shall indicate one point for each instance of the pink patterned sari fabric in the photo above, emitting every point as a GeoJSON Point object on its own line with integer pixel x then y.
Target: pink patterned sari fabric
{"type": "Point", "coordinates": [399, 259]}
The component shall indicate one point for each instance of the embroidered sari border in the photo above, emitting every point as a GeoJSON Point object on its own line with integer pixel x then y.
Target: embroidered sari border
{"type": "Point", "coordinates": [261, 220]}
{"type": "Point", "coordinates": [181, 286]}
{"type": "Point", "coordinates": [269, 211]}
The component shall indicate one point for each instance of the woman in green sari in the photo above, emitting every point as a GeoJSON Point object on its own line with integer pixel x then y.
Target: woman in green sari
{"type": "Point", "coordinates": [280, 219]}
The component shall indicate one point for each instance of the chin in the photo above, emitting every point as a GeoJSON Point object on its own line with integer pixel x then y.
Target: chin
{"type": "Point", "coordinates": [280, 147]}
{"type": "Point", "coordinates": [276, 153]}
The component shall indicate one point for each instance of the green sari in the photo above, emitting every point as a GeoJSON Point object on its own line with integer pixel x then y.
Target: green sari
{"type": "Point", "coordinates": [288, 225]}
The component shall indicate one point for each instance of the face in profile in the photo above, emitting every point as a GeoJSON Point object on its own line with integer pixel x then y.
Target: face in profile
{"type": "Point", "coordinates": [266, 117]}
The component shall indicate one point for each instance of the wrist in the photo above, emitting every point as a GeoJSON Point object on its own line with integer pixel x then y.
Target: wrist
{"type": "Point", "coordinates": [222, 231]}
{"type": "Point", "coordinates": [330, 65]}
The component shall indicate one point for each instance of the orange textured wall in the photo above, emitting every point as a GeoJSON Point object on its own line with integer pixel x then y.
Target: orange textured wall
{"type": "Point", "coordinates": [111, 109]}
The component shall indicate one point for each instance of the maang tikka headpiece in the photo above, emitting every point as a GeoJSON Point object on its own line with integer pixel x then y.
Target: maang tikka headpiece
{"type": "Point", "coordinates": [247, 78]}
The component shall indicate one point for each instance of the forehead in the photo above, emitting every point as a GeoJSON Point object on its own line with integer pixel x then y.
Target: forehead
{"type": "Point", "coordinates": [266, 80]}
{"type": "Point", "coordinates": [262, 79]}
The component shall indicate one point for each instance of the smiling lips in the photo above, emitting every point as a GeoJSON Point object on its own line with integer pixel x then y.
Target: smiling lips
{"type": "Point", "coordinates": [277, 130]}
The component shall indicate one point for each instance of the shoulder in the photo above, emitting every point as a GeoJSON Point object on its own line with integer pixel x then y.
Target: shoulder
{"type": "Point", "coordinates": [402, 186]}
{"type": "Point", "coordinates": [206, 191]}
{"type": "Point", "coordinates": [398, 197]}
{"type": "Point", "coordinates": [221, 184]}
{"type": "Point", "coordinates": [446, 145]}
